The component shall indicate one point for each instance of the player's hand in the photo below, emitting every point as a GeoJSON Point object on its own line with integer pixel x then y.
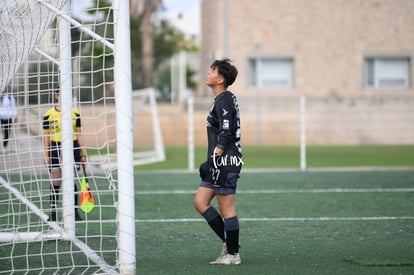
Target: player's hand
{"type": "Point", "coordinates": [217, 161]}
{"type": "Point", "coordinates": [204, 169]}
{"type": "Point", "coordinates": [216, 158]}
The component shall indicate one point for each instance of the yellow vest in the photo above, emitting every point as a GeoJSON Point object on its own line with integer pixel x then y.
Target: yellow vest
{"type": "Point", "coordinates": [51, 124]}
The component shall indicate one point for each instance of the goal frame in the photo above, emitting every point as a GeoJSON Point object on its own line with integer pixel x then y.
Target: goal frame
{"type": "Point", "coordinates": [124, 141]}
{"type": "Point", "coordinates": [126, 261]}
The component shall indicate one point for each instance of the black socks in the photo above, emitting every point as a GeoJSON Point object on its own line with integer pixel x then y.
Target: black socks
{"type": "Point", "coordinates": [227, 230]}
{"type": "Point", "coordinates": [215, 221]}
{"type": "Point", "coordinates": [231, 226]}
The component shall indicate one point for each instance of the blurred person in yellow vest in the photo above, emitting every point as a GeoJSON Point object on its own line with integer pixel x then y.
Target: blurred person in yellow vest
{"type": "Point", "coordinates": [53, 152]}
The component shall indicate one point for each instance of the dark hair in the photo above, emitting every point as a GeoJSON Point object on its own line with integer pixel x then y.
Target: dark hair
{"type": "Point", "coordinates": [225, 69]}
{"type": "Point", "coordinates": [56, 92]}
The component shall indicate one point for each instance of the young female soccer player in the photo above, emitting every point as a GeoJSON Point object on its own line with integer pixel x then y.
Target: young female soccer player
{"type": "Point", "coordinates": [220, 172]}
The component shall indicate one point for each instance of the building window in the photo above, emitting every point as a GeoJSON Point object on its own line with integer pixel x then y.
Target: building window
{"type": "Point", "coordinates": [387, 72]}
{"type": "Point", "coordinates": [270, 73]}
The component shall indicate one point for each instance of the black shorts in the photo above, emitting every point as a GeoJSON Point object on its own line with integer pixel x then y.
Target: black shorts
{"type": "Point", "coordinates": [55, 154]}
{"type": "Point", "coordinates": [223, 180]}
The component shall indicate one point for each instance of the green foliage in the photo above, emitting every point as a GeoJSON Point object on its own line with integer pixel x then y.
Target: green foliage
{"type": "Point", "coordinates": [167, 42]}
{"type": "Point", "coordinates": [163, 81]}
{"type": "Point", "coordinates": [104, 5]}
{"type": "Point", "coordinates": [99, 59]}
{"type": "Point", "coordinates": [44, 77]}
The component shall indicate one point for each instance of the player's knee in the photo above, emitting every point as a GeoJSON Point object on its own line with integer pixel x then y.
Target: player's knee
{"type": "Point", "coordinates": [197, 205]}
{"type": "Point", "coordinates": [200, 206]}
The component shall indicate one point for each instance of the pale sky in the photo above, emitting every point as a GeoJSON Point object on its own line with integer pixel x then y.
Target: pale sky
{"type": "Point", "coordinates": [190, 10]}
{"type": "Point", "coordinates": [189, 22]}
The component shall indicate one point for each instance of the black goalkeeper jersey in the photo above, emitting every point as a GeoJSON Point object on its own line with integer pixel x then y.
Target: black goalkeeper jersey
{"type": "Point", "coordinates": [223, 126]}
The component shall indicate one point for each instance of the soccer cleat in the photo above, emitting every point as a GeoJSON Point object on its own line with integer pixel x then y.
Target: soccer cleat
{"type": "Point", "coordinates": [223, 250]}
{"type": "Point", "coordinates": [227, 259]}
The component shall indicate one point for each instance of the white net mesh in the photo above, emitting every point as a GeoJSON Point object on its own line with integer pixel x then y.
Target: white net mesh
{"type": "Point", "coordinates": [23, 23]}
{"type": "Point", "coordinates": [30, 69]}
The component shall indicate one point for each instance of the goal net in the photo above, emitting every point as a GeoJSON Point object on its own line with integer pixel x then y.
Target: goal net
{"type": "Point", "coordinates": [148, 136]}
{"type": "Point", "coordinates": [148, 142]}
{"type": "Point", "coordinates": [71, 46]}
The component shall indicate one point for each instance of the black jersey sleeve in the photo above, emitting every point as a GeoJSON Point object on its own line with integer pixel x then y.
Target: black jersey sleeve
{"type": "Point", "coordinates": [46, 123]}
{"type": "Point", "coordinates": [227, 122]}
{"type": "Point", "coordinates": [78, 121]}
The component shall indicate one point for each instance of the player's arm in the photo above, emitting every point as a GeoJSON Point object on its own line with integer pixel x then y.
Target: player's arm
{"type": "Point", "coordinates": [78, 133]}
{"type": "Point", "coordinates": [81, 145]}
{"type": "Point", "coordinates": [46, 144]}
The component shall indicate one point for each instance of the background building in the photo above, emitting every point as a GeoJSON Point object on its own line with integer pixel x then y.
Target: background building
{"type": "Point", "coordinates": [319, 47]}
{"type": "Point", "coordinates": [351, 59]}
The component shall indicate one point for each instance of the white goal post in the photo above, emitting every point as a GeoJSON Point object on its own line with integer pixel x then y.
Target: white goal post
{"type": "Point", "coordinates": [82, 50]}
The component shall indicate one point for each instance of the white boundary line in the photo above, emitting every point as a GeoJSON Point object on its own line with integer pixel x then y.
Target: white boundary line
{"type": "Point", "coordinates": [287, 191]}
{"type": "Point", "coordinates": [287, 219]}
{"type": "Point", "coordinates": [284, 170]}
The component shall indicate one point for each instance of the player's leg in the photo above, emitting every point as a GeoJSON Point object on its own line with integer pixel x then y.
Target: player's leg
{"type": "Point", "coordinates": [4, 129]}
{"type": "Point", "coordinates": [231, 222]}
{"type": "Point", "coordinates": [226, 203]}
{"type": "Point", "coordinates": [202, 204]}
{"type": "Point", "coordinates": [226, 196]}
{"type": "Point", "coordinates": [231, 227]}
{"type": "Point", "coordinates": [56, 178]}
{"type": "Point", "coordinates": [7, 132]}
{"type": "Point", "coordinates": [77, 159]}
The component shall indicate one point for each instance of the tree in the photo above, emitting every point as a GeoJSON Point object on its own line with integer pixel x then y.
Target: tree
{"type": "Point", "coordinates": [147, 32]}
{"type": "Point", "coordinates": [167, 42]}
{"type": "Point", "coordinates": [149, 50]}
{"type": "Point", "coordinates": [163, 81]}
